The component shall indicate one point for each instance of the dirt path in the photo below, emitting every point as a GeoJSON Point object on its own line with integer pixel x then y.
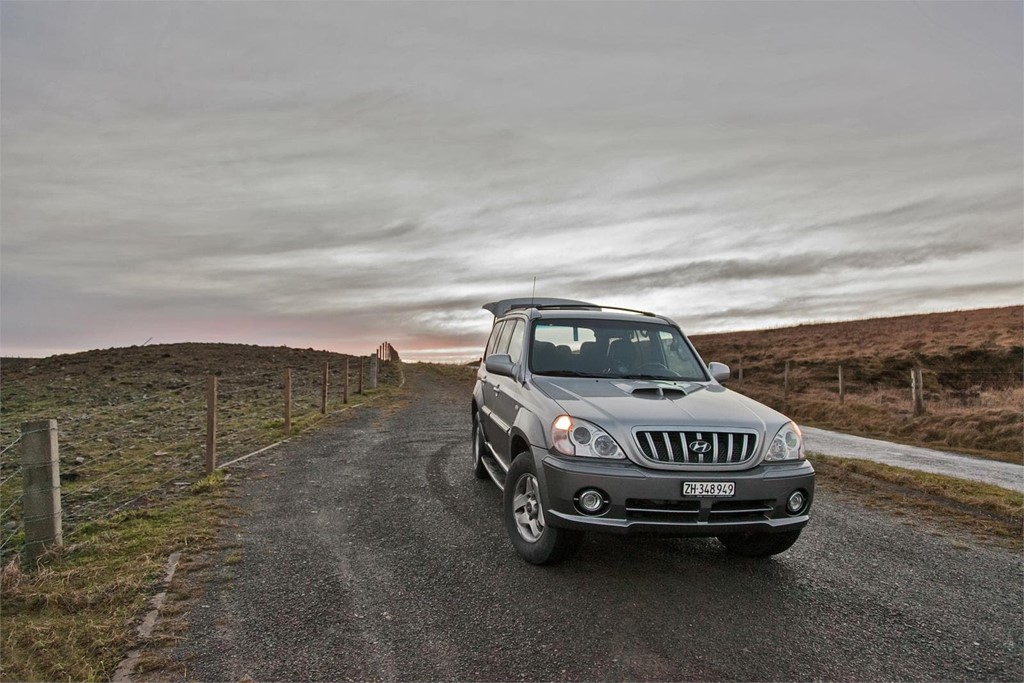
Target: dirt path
{"type": "Point", "coordinates": [369, 552]}
{"type": "Point", "coordinates": [1005, 474]}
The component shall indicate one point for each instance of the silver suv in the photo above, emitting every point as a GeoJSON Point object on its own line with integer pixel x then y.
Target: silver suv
{"type": "Point", "coordinates": [606, 419]}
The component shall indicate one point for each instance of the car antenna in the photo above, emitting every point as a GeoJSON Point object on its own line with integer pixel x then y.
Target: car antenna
{"type": "Point", "coordinates": [533, 295]}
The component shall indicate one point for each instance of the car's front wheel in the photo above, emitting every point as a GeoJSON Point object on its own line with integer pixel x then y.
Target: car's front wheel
{"type": "Point", "coordinates": [533, 539]}
{"type": "Point", "coordinates": [759, 544]}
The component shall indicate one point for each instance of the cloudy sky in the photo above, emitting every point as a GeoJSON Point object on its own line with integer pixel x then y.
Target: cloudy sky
{"type": "Point", "coordinates": [336, 174]}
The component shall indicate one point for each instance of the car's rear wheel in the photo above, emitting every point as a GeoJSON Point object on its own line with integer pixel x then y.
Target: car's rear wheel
{"type": "Point", "coordinates": [759, 544]}
{"type": "Point", "coordinates": [479, 470]}
{"type": "Point", "coordinates": [533, 539]}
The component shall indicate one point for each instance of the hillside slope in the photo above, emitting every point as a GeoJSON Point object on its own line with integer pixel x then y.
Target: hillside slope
{"type": "Point", "coordinates": [971, 362]}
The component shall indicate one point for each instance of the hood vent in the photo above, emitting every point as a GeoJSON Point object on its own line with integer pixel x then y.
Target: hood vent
{"type": "Point", "coordinates": [658, 392]}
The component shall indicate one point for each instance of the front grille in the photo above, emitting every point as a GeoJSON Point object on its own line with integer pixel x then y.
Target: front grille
{"type": "Point", "coordinates": [688, 448]}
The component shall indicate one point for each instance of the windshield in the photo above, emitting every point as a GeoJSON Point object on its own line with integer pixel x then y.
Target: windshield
{"type": "Point", "coordinates": [612, 348]}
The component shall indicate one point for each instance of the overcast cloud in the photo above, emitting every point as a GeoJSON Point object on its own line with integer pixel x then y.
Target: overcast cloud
{"type": "Point", "coordinates": [337, 174]}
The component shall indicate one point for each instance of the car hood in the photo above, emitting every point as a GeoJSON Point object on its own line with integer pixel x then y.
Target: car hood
{"type": "Point", "coordinates": [620, 405]}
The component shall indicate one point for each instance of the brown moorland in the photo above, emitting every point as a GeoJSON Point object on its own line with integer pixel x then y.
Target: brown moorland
{"type": "Point", "coordinates": [972, 364]}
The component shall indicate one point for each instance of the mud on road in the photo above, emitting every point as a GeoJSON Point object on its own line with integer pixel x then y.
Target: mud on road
{"type": "Point", "coordinates": [371, 553]}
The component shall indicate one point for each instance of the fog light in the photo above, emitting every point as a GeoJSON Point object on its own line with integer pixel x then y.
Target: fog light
{"type": "Point", "coordinates": [590, 501]}
{"type": "Point", "coordinates": [796, 502]}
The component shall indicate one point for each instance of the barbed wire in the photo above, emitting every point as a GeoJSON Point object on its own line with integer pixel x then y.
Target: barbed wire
{"type": "Point", "coordinates": [18, 530]}
{"type": "Point", "coordinates": [66, 419]}
{"type": "Point", "coordinates": [11, 506]}
{"type": "Point", "coordinates": [11, 445]}
{"type": "Point", "coordinates": [6, 479]}
{"type": "Point", "coordinates": [119, 506]}
{"type": "Point", "coordinates": [23, 434]}
{"type": "Point", "coordinates": [93, 483]}
{"type": "Point", "coordinates": [306, 396]}
{"type": "Point", "coordinates": [232, 392]}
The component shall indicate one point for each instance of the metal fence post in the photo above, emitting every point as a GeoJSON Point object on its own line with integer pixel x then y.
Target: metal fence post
{"type": "Point", "coordinates": [40, 473]}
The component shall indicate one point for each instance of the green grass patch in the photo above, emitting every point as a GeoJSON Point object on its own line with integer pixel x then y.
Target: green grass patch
{"type": "Point", "coordinates": [73, 618]}
{"type": "Point", "coordinates": [989, 512]}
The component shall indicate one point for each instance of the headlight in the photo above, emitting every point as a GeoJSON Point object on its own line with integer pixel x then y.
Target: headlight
{"type": "Point", "coordinates": [788, 444]}
{"type": "Point", "coordinates": [570, 436]}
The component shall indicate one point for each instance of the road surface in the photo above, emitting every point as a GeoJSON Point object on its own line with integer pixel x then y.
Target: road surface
{"type": "Point", "coordinates": [1005, 474]}
{"type": "Point", "coordinates": [369, 552]}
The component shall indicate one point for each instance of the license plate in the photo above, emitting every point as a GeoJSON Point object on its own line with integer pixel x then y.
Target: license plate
{"type": "Point", "coordinates": [709, 489]}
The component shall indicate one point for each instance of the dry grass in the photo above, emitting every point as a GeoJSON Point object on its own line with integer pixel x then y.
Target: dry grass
{"type": "Point", "coordinates": [132, 433]}
{"type": "Point", "coordinates": [972, 361]}
{"type": "Point", "coordinates": [990, 513]}
{"type": "Point", "coordinates": [461, 373]}
{"type": "Point", "coordinates": [72, 619]}
{"type": "Point", "coordinates": [932, 334]}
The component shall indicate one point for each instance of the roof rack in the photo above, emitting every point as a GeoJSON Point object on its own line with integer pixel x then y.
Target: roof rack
{"type": "Point", "coordinates": [591, 307]}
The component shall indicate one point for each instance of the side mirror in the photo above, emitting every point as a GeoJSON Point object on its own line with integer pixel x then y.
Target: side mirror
{"type": "Point", "coordinates": [500, 364]}
{"type": "Point", "coordinates": [720, 371]}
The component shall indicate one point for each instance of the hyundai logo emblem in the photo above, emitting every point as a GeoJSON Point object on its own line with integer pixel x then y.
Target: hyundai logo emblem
{"type": "Point", "coordinates": [700, 446]}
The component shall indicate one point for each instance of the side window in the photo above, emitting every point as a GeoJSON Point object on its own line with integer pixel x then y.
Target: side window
{"type": "Point", "coordinates": [515, 345]}
{"type": "Point", "coordinates": [506, 332]}
{"type": "Point", "coordinates": [493, 340]}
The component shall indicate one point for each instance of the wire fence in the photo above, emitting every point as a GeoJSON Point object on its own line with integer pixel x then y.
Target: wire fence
{"type": "Point", "coordinates": [959, 386]}
{"type": "Point", "coordinates": [146, 450]}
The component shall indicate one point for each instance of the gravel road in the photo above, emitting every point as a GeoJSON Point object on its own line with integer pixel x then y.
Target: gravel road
{"type": "Point", "coordinates": [1005, 474]}
{"type": "Point", "coordinates": [370, 552]}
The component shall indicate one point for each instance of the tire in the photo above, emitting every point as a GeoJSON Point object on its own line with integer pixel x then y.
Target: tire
{"type": "Point", "coordinates": [479, 470]}
{"type": "Point", "coordinates": [533, 539]}
{"type": "Point", "coordinates": [759, 544]}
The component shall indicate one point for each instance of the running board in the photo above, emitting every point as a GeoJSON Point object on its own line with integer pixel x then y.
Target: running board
{"type": "Point", "coordinates": [492, 469]}
{"type": "Point", "coordinates": [495, 467]}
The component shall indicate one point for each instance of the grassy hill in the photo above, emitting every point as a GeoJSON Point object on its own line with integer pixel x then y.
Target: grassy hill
{"type": "Point", "coordinates": [132, 426]}
{"type": "Point", "coordinates": [972, 362]}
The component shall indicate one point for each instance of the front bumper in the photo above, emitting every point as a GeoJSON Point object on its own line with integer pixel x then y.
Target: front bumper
{"type": "Point", "coordinates": [651, 500]}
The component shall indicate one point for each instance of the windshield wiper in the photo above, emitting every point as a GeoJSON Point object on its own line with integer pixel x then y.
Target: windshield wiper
{"type": "Point", "coordinates": [647, 376]}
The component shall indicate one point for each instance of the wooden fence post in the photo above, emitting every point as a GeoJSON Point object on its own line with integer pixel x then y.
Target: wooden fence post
{"type": "Point", "coordinates": [842, 387]}
{"type": "Point", "coordinates": [360, 389]}
{"type": "Point", "coordinates": [373, 369]}
{"type": "Point", "coordinates": [288, 400]}
{"type": "Point", "coordinates": [323, 392]}
{"type": "Point", "coordinates": [344, 385]}
{"type": "Point", "coordinates": [785, 386]}
{"type": "Point", "coordinates": [40, 476]}
{"type": "Point", "coordinates": [211, 424]}
{"type": "Point", "coordinates": [917, 391]}
{"type": "Point", "coordinates": [739, 373]}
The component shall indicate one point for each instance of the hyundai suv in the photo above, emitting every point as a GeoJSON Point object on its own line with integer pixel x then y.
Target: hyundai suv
{"type": "Point", "coordinates": [594, 418]}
